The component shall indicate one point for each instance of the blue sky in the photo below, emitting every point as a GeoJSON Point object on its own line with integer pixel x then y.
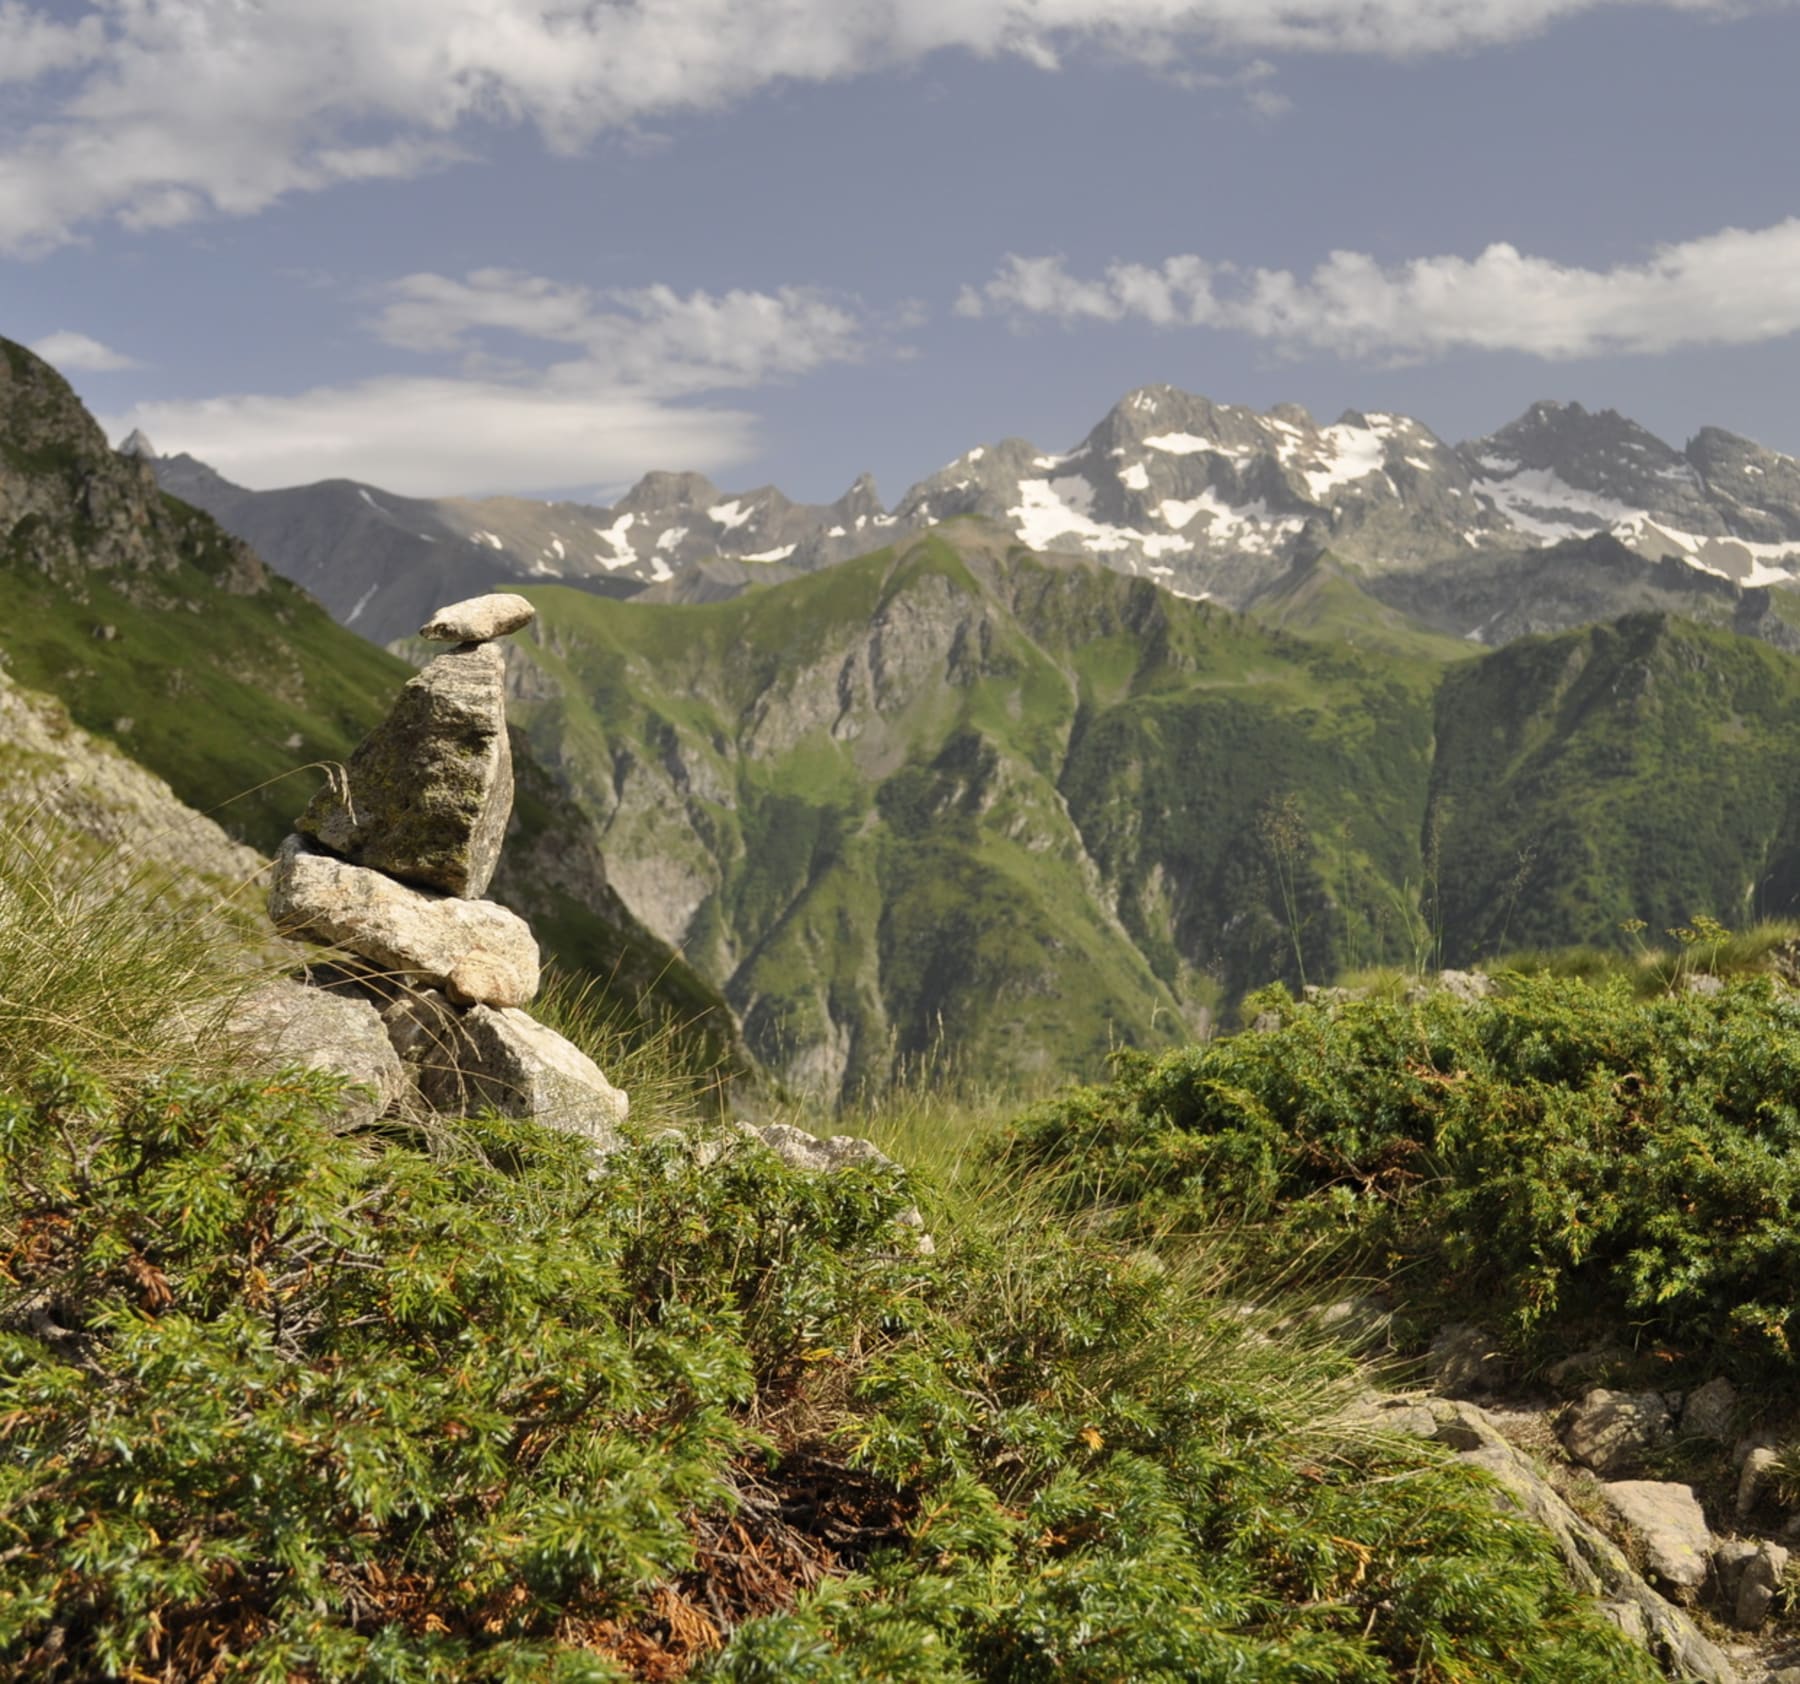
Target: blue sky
{"type": "Point", "coordinates": [547, 245]}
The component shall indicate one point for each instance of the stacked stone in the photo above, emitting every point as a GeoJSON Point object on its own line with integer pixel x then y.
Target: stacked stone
{"type": "Point", "coordinates": [388, 866]}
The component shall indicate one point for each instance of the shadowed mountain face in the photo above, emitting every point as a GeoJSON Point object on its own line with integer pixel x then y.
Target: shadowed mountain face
{"type": "Point", "coordinates": [1205, 499]}
{"type": "Point", "coordinates": [167, 637]}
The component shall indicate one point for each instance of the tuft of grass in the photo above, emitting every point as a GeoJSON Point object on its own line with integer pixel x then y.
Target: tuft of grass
{"type": "Point", "coordinates": [115, 964]}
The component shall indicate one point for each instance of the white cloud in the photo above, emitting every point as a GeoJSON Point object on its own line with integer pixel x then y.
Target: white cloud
{"type": "Point", "coordinates": [184, 108]}
{"type": "Point", "coordinates": [606, 415]}
{"type": "Point", "coordinates": [443, 437]}
{"type": "Point", "coordinates": [33, 44]}
{"type": "Point", "coordinates": [1736, 287]}
{"type": "Point", "coordinates": [649, 336]}
{"type": "Point", "coordinates": [64, 351]}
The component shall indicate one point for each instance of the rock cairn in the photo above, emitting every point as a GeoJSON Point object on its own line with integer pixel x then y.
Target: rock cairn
{"type": "Point", "coordinates": [387, 867]}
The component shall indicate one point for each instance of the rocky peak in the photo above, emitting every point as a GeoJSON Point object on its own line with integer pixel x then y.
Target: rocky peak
{"type": "Point", "coordinates": [71, 505]}
{"type": "Point", "coordinates": [861, 499]}
{"type": "Point", "coordinates": [1603, 451]}
{"type": "Point", "coordinates": [660, 490]}
{"type": "Point", "coordinates": [137, 443]}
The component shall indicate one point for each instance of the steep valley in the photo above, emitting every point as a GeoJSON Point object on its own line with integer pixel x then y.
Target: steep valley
{"type": "Point", "coordinates": [959, 804]}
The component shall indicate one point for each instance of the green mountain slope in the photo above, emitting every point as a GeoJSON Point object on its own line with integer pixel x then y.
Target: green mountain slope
{"type": "Point", "coordinates": [960, 797]}
{"type": "Point", "coordinates": [1321, 597]}
{"type": "Point", "coordinates": [1647, 769]}
{"type": "Point", "coordinates": [164, 635]}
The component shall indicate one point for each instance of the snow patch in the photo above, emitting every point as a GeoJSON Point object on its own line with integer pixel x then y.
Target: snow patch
{"type": "Point", "coordinates": [623, 554]}
{"type": "Point", "coordinates": [1253, 526]}
{"type": "Point", "coordinates": [1349, 453]}
{"type": "Point", "coordinates": [731, 515]}
{"type": "Point", "coordinates": [362, 602]}
{"type": "Point", "coordinates": [1059, 508]}
{"type": "Point", "coordinates": [1542, 504]}
{"type": "Point", "coordinates": [370, 501]}
{"type": "Point", "coordinates": [772, 555]}
{"type": "Point", "coordinates": [1136, 477]}
{"type": "Point", "coordinates": [671, 538]}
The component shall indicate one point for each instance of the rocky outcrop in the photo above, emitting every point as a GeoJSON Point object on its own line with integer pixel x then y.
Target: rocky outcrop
{"type": "Point", "coordinates": [70, 506]}
{"type": "Point", "coordinates": [1595, 1565]}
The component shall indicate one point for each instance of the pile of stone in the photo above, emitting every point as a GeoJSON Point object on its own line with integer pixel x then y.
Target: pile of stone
{"type": "Point", "coordinates": [422, 995]}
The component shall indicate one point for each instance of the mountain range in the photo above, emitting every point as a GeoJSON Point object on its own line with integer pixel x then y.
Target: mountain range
{"type": "Point", "coordinates": [965, 803]}
{"type": "Point", "coordinates": [1208, 500]}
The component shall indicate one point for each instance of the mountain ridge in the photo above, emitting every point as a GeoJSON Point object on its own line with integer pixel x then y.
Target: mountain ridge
{"type": "Point", "coordinates": [1206, 499]}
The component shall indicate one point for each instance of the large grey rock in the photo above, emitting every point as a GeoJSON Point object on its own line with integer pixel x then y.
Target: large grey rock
{"type": "Point", "coordinates": [479, 618]}
{"type": "Point", "coordinates": [1612, 1432]}
{"type": "Point", "coordinates": [506, 1061]}
{"type": "Point", "coordinates": [287, 1023]}
{"type": "Point", "coordinates": [427, 793]}
{"type": "Point", "coordinates": [1749, 1571]}
{"type": "Point", "coordinates": [1671, 1523]}
{"type": "Point", "coordinates": [1709, 1410]}
{"type": "Point", "coordinates": [1756, 1478]}
{"type": "Point", "coordinates": [1464, 1360]}
{"type": "Point", "coordinates": [1595, 1565]}
{"type": "Point", "coordinates": [473, 948]}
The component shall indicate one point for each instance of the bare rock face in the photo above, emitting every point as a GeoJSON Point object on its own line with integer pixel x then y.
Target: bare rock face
{"type": "Point", "coordinates": [288, 1023]}
{"type": "Point", "coordinates": [506, 1061]}
{"type": "Point", "coordinates": [427, 793]}
{"type": "Point", "coordinates": [429, 939]}
{"type": "Point", "coordinates": [478, 619]}
{"type": "Point", "coordinates": [1669, 1520]}
{"type": "Point", "coordinates": [1595, 1565]}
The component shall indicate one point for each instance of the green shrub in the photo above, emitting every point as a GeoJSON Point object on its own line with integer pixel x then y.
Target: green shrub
{"type": "Point", "coordinates": [276, 1408]}
{"type": "Point", "coordinates": [1565, 1156]}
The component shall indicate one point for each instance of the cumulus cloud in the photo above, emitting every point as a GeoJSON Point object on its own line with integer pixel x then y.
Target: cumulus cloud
{"type": "Point", "coordinates": [185, 108]}
{"type": "Point", "coordinates": [649, 336]}
{"type": "Point", "coordinates": [619, 405]}
{"type": "Point", "coordinates": [34, 44]}
{"type": "Point", "coordinates": [66, 351]}
{"type": "Point", "coordinates": [1735, 287]}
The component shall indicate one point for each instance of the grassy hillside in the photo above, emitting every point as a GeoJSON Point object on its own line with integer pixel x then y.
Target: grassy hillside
{"type": "Point", "coordinates": [1647, 770]}
{"type": "Point", "coordinates": [960, 797]}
